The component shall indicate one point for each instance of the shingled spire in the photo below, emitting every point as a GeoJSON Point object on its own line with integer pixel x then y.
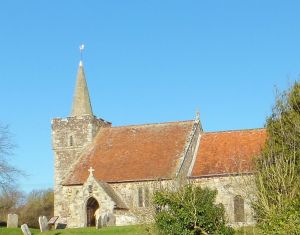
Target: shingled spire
{"type": "Point", "coordinates": [81, 102]}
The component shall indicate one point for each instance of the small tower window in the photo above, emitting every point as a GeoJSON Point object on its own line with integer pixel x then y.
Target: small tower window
{"type": "Point", "coordinates": [140, 197]}
{"type": "Point", "coordinates": [239, 210]}
{"type": "Point", "coordinates": [71, 140]}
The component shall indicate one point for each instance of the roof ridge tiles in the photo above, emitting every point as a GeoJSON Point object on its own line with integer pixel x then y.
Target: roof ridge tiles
{"type": "Point", "coordinates": [151, 124]}
{"type": "Point", "coordinates": [237, 130]}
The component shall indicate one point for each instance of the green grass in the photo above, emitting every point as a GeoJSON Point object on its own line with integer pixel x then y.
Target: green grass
{"type": "Point", "coordinates": [247, 231]}
{"type": "Point", "coordinates": [125, 230]}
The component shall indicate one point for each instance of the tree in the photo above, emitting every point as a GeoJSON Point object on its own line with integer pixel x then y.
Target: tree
{"type": "Point", "coordinates": [277, 175]}
{"type": "Point", "coordinates": [38, 203]}
{"type": "Point", "coordinates": [8, 173]}
{"type": "Point", "coordinates": [189, 210]}
{"type": "Point", "coordinates": [10, 200]}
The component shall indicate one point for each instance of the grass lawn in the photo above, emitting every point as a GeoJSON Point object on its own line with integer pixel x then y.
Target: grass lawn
{"type": "Point", "coordinates": [247, 231]}
{"type": "Point", "coordinates": [126, 230]}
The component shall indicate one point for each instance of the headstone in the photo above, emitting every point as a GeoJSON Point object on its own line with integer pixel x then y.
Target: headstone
{"type": "Point", "coordinates": [103, 220]}
{"type": "Point", "coordinates": [98, 222]}
{"type": "Point", "coordinates": [12, 220]}
{"type": "Point", "coordinates": [43, 222]}
{"type": "Point", "coordinates": [111, 219]}
{"type": "Point", "coordinates": [25, 229]}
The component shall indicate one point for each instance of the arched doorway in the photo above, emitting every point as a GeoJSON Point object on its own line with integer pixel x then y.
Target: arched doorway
{"type": "Point", "coordinates": [91, 206]}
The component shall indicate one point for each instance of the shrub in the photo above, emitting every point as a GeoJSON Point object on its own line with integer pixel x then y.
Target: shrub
{"type": "Point", "coordinates": [189, 210]}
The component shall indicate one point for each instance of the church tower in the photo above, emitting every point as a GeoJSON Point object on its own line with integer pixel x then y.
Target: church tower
{"type": "Point", "coordinates": [71, 135]}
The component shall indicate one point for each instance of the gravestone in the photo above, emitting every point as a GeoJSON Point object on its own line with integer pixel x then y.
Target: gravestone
{"type": "Point", "coordinates": [103, 220]}
{"type": "Point", "coordinates": [25, 229]}
{"type": "Point", "coordinates": [99, 223]}
{"type": "Point", "coordinates": [111, 219]}
{"type": "Point", "coordinates": [12, 220]}
{"type": "Point", "coordinates": [43, 222]}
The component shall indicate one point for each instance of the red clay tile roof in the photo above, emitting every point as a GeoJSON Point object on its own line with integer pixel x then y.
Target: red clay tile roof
{"type": "Point", "coordinates": [228, 152]}
{"type": "Point", "coordinates": [134, 153]}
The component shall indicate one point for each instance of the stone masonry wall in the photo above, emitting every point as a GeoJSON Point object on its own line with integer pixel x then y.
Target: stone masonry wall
{"type": "Point", "coordinates": [75, 199]}
{"type": "Point", "coordinates": [129, 192]}
{"type": "Point", "coordinates": [69, 137]}
{"type": "Point", "coordinates": [228, 187]}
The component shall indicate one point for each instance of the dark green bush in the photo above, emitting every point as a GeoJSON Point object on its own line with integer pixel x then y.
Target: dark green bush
{"type": "Point", "coordinates": [189, 210]}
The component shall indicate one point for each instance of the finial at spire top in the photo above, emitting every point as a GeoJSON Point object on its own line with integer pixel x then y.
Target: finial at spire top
{"type": "Point", "coordinates": [81, 48]}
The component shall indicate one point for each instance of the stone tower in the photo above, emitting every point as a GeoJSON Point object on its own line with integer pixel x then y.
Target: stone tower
{"type": "Point", "coordinates": [71, 135]}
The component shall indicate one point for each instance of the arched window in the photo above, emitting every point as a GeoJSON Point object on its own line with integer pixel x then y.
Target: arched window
{"type": "Point", "coordinates": [147, 202]}
{"type": "Point", "coordinates": [140, 197]}
{"type": "Point", "coordinates": [239, 210]}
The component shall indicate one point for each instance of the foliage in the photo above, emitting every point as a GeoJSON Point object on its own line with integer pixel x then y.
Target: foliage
{"type": "Point", "coordinates": [10, 200]}
{"type": "Point", "coordinates": [278, 169]}
{"type": "Point", "coordinates": [247, 231]}
{"type": "Point", "coordinates": [38, 203]}
{"type": "Point", "coordinates": [189, 210]}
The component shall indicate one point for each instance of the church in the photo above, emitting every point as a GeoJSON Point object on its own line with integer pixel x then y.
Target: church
{"type": "Point", "coordinates": [115, 169]}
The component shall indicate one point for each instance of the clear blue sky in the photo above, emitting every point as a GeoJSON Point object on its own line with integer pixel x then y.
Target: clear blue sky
{"type": "Point", "coordinates": [145, 62]}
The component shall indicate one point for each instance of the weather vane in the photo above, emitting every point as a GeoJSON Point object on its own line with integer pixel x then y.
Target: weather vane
{"type": "Point", "coordinates": [81, 48]}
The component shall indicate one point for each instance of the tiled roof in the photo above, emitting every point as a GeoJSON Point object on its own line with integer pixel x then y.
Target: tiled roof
{"type": "Point", "coordinates": [133, 153]}
{"type": "Point", "coordinates": [228, 152]}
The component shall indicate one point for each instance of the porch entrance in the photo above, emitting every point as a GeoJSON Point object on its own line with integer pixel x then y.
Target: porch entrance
{"type": "Point", "coordinates": [91, 206]}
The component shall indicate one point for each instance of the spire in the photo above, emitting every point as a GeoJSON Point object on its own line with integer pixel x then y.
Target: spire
{"type": "Point", "coordinates": [81, 102]}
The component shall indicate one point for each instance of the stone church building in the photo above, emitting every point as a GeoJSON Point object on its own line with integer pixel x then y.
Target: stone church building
{"type": "Point", "coordinates": [116, 168]}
